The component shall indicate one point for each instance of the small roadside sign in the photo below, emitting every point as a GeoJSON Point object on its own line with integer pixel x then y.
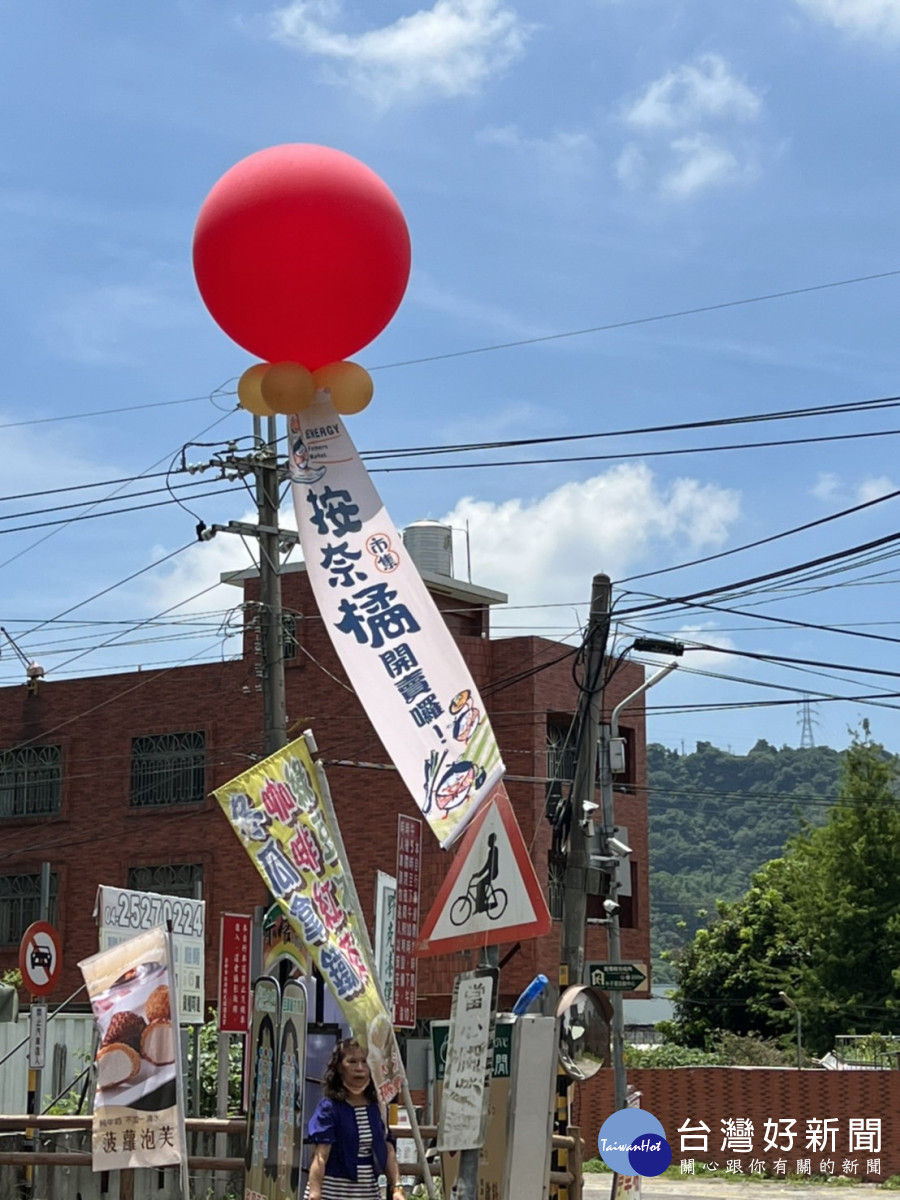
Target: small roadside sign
{"type": "Point", "coordinates": [40, 958]}
{"type": "Point", "coordinates": [617, 977]}
{"type": "Point", "coordinates": [491, 893]}
{"type": "Point", "coordinates": [37, 1037]}
{"type": "Point", "coordinates": [468, 1070]}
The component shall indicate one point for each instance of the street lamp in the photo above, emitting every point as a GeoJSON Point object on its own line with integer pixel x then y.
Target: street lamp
{"type": "Point", "coordinates": [612, 760]}
{"type": "Point", "coordinates": [791, 1004]}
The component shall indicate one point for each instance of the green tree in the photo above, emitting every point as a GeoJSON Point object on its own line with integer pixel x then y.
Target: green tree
{"type": "Point", "coordinates": [730, 974]}
{"type": "Point", "coordinates": [849, 905]}
{"type": "Point", "coordinates": [822, 924]}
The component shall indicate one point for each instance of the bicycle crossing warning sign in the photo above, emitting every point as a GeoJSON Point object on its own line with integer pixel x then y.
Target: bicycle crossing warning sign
{"type": "Point", "coordinates": [491, 893]}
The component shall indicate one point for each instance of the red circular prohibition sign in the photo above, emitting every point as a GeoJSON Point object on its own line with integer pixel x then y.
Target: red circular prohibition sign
{"type": "Point", "coordinates": [40, 958]}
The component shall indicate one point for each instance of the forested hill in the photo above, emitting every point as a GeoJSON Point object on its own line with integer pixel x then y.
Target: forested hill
{"type": "Point", "coordinates": [715, 818]}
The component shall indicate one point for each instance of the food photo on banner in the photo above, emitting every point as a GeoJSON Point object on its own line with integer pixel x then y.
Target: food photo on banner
{"type": "Point", "coordinates": [139, 1102]}
{"type": "Point", "coordinates": [281, 810]}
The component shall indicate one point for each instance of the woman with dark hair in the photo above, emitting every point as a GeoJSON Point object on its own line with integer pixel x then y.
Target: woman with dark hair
{"type": "Point", "coordinates": [352, 1145]}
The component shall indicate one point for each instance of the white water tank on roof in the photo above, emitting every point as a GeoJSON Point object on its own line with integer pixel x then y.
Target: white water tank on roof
{"type": "Point", "coordinates": [430, 546]}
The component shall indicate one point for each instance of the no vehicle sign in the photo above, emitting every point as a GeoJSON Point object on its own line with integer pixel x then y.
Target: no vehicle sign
{"type": "Point", "coordinates": [40, 958]}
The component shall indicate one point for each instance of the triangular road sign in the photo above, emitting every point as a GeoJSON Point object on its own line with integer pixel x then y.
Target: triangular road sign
{"type": "Point", "coordinates": [491, 893]}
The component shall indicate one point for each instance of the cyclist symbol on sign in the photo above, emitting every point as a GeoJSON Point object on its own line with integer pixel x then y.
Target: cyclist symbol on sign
{"type": "Point", "coordinates": [481, 896]}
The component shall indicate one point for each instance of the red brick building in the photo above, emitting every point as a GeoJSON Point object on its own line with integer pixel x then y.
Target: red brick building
{"type": "Point", "coordinates": [108, 779]}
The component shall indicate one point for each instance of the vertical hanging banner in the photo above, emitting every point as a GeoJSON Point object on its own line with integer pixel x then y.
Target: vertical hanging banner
{"type": "Point", "coordinates": [235, 932]}
{"type": "Point", "coordinates": [291, 1080]}
{"type": "Point", "coordinates": [403, 663]}
{"type": "Point", "coordinates": [385, 941]}
{"type": "Point", "coordinates": [259, 1154]}
{"type": "Point", "coordinates": [409, 872]}
{"type": "Point", "coordinates": [282, 814]}
{"type": "Point", "coordinates": [138, 1108]}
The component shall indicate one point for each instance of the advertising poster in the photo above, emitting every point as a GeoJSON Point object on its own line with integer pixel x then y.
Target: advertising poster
{"type": "Point", "coordinates": [138, 1107]}
{"type": "Point", "coordinates": [234, 973]}
{"type": "Point", "coordinates": [259, 1157]}
{"type": "Point", "coordinates": [492, 1158]}
{"type": "Point", "coordinates": [385, 933]}
{"type": "Point", "coordinates": [468, 1067]}
{"type": "Point", "coordinates": [409, 872]}
{"type": "Point", "coordinates": [393, 643]}
{"type": "Point", "coordinates": [121, 913]}
{"type": "Point", "coordinates": [281, 811]}
{"type": "Point", "coordinates": [291, 1078]}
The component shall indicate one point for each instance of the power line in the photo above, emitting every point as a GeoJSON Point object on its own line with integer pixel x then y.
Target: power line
{"type": "Point", "coordinates": [94, 516]}
{"type": "Point", "coordinates": [840, 408]}
{"type": "Point", "coordinates": [667, 316]}
{"type": "Point", "coordinates": [623, 455]}
{"type": "Point", "coordinates": [844, 512]}
{"type": "Point", "coordinates": [781, 573]}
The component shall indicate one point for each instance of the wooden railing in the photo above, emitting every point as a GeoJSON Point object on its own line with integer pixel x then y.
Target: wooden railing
{"type": "Point", "coordinates": [571, 1142]}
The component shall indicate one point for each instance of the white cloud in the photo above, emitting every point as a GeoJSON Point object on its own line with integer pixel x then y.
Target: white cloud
{"type": "Point", "coordinates": [448, 50]}
{"type": "Point", "coordinates": [703, 162]}
{"type": "Point", "coordinates": [827, 486]}
{"type": "Point", "coordinates": [832, 489]}
{"type": "Point", "coordinates": [672, 149]}
{"type": "Point", "coordinates": [536, 550]}
{"type": "Point", "coordinates": [868, 18]}
{"type": "Point", "coordinates": [873, 489]}
{"type": "Point", "coordinates": [693, 93]}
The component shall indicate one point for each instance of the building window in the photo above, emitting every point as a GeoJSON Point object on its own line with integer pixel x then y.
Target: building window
{"type": "Point", "coordinates": [168, 768]}
{"type": "Point", "coordinates": [168, 879]}
{"type": "Point", "coordinates": [289, 636]}
{"type": "Point", "coordinates": [20, 905]}
{"type": "Point", "coordinates": [556, 883]}
{"type": "Point", "coordinates": [560, 763]}
{"type": "Point", "coordinates": [30, 781]}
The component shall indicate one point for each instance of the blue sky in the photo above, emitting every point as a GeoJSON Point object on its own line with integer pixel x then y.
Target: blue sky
{"type": "Point", "coordinates": [583, 166]}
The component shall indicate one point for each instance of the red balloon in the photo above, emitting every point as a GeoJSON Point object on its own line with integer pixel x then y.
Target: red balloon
{"type": "Point", "coordinates": [301, 254]}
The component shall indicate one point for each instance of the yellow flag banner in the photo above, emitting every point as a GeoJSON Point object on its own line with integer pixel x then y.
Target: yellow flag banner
{"type": "Point", "coordinates": [281, 810]}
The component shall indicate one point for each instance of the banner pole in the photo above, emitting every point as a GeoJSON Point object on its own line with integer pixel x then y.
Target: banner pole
{"type": "Point", "coordinates": [364, 937]}
{"type": "Point", "coordinates": [179, 1080]}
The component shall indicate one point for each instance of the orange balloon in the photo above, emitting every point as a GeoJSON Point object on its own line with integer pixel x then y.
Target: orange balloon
{"type": "Point", "coordinates": [287, 387]}
{"type": "Point", "coordinates": [248, 390]}
{"type": "Point", "coordinates": [350, 385]}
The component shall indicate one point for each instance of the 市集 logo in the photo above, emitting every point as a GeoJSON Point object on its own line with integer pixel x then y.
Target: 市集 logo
{"type": "Point", "coordinates": [633, 1142]}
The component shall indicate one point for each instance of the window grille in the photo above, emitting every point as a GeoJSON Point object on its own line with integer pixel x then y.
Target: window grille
{"type": "Point", "coordinates": [20, 905]}
{"type": "Point", "coordinates": [561, 752]}
{"type": "Point", "coordinates": [289, 636]}
{"type": "Point", "coordinates": [168, 768]}
{"type": "Point", "coordinates": [167, 879]}
{"type": "Point", "coordinates": [556, 883]}
{"type": "Point", "coordinates": [30, 781]}
{"type": "Point", "coordinates": [560, 773]}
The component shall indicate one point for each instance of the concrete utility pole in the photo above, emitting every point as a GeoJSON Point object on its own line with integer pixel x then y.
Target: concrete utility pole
{"type": "Point", "coordinates": [271, 616]}
{"type": "Point", "coordinates": [571, 967]}
{"type": "Point", "coordinates": [263, 465]}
